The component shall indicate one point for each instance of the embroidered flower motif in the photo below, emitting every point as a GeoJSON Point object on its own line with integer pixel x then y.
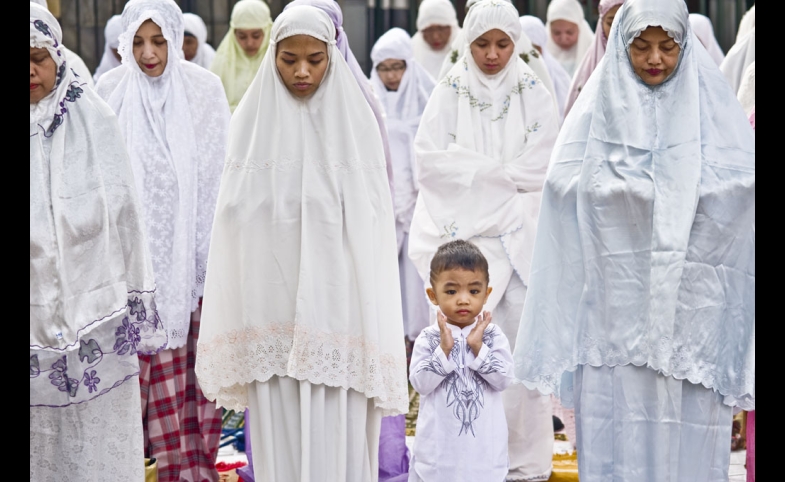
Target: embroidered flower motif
{"type": "Point", "coordinates": [450, 231]}
{"type": "Point", "coordinates": [136, 307]}
{"type": "Point", "coordinates": [60, 75]}
{"type": "Point", "coordinates": [454, 56]}
{"type": "Point", "coordinates": [525, 57]}
{"type": "Point", "coordinates": [530, 129]}
{"type": "Point", "coordinates": [127, 338]}
{"type": "Point", "coordinates": [463, 91]}
{"type": "Point", "coordinates": [90, 350]}
{"type": "Point", "coordinates": [535, 54]}
{"type": "Point", "coordinates": [73, 93]}
{"type": "Point", "coordinates": [35, 369]}
{"type": "Point", "coordinates": [91, 381]}
{"type": "Point", "coordinates": [42, 27]}
{"type": "Point", "coordinates": [60, 379]}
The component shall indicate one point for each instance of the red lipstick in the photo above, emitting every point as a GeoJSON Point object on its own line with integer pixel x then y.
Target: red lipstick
{"type": "Point", "coordinates": [33, 86]}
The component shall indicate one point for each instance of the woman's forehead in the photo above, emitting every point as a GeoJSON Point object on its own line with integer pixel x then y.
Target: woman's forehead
{"type": "Point", "coordinates": [494, 35]}
{"type": "Point", "coordinates": [301, 43]}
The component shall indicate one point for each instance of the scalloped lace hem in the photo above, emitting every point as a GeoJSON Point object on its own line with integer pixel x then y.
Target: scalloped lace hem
{"type": "Point", "coordinates": [738, 397]}
{"type": "Point", "coordinates": [228, 362]}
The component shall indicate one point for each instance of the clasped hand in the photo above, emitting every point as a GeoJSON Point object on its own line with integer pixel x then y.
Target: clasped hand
{"type": "Point", "coordinates": [474, 340]}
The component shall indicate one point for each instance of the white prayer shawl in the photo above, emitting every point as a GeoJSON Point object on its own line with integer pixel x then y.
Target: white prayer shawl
{"type": "Point", "coordinates": [704, 30]}
{"type": "Point", "coordinates": [74, 61]}
{"type": "Point", "coordinates": [204, 51]}
{"type": "Point", "coordinates": [91, 281]}
{"type": "Point", "coordinates": [112, 31]}
{"type": "Point", "coordinates": [645, 250]}
{"type": "Point", "coordinates": [175, 128]}
{"type": "Point", "coordinates": [572, 11]}
{"type": "Point", "coordinates": [746, 24]}
{"type": "Point", "coordinates": [434, 12]}
{"type": "Point", "coordinates": [747, 90]}
{"type": "Point", "coordinates": [523, 47]}
{"type": "Point", "coordinates": [303, 273]}
{"type": "Point", "coordinates": [533, 28]}
{"type": "Point", "coordinates": [482, 153]}
{"type": "Point", "coordinates": [403, 109]}
{"type": "Point", "coordinates": [739, 57]}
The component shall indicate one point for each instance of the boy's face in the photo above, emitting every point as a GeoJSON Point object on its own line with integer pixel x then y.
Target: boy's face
{"type": "Point", "coordinates": [460, 294]}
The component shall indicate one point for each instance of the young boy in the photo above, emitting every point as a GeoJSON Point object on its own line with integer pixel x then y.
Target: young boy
{"type": "Point", "coordinates": [460, 368]}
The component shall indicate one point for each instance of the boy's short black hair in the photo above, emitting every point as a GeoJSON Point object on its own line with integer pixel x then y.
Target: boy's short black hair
{"type": "Point", "coordinates": [458, 254]}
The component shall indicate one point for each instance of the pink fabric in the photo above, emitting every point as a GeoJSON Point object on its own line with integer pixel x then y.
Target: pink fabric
{"type": "Point", "coordinates": [592, 57]}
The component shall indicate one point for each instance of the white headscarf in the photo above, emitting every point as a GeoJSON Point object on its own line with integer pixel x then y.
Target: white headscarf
{"type": "Point", "coordinates": [571, 11]}
{"type": "Point", "coordinates": [112, 31]}
{"type": "Point", "coordinates": [434, 12]}
{"type": "Point", "coordinates": [704, 30]}
{"type": "Point", "coordinates": [746, 93]}
{"type": "Point", "coordinates": [204, 52]}
{"type": "Point", "coordinates": [303, 273]}
{"type": "Point", "coordinates": [645, 250]}
{"type": "Point", "coordinates": [403, 108]}
{"type": "Point", "coordinates": [523, 47]}
{"type": "Point", "coordinates": [175, 128]}
{"type": "Point", "coordinates": [739, 57]}
{"type": "Point", "coordinates": [533, 28]}
{"type": "Point", "coordinates": [75, 62]}
{"type": "Point", "coordinates": [91, 281]}
{"type": "Point", "coordinates": [482, 152]}
{"type": "Point", "coordinates": [746, 24]}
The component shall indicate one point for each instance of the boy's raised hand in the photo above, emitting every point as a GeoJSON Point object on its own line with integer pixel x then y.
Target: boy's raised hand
{"type": "Point", "coordinates": [474, 340]}
{"type": "Point", "coordinates": [445, 334]}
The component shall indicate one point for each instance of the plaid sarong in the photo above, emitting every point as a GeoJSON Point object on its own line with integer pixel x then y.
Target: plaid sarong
{"type": "Point", "coordinates": [182, 429]}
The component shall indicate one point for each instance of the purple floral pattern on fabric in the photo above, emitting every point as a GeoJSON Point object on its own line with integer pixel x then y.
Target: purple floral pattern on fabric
{"type": "Point", "coordinates": [91, 381]}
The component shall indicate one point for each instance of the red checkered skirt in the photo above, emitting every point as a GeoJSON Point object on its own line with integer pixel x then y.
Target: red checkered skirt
{"type": "Point", "coordinates": [182, 429]}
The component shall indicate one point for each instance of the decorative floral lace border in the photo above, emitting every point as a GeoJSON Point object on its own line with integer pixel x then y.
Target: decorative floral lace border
{"type": "Point", "coordinates": [227, 362]}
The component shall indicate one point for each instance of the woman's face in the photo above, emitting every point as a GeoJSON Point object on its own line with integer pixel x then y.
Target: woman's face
{"type": "Point", "coordinates": [250, 40]}
{"type": "Point", "coordinates": [391, 72]}
{"type": "Point", "coordinates": [190, 46]}
{"type": "Point", "coordinates": [43, 72]}
{"type": "Point", "coordinates": [437, 36]}
{"type": "Point", "coordinates": [150, 49]}
{"type": "Point", "coordinates": [654, 55]}
{"type": "Point", "coordinates": [492, 51]}
{"type": "Point", "coordinates": [564, 33]}
{"type": "Point", "coordinates": [607, 20]}
{"type": "Point", "coordinates": [302, 62]}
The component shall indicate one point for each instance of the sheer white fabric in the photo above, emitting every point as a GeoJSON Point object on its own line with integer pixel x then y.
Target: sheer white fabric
{"type": "Point", "coordinates": [430, 13]}
{"type": "Point", "coordinates": [97, 440]}
{"type": "Point", "coordinates": [204, 51]}
{"type": "Point", "coordinates": [739, 57]}
{"type": "Point", "coordinates": [523, 47]}
{"type": "Point", "coordinates": [87, 272]}
{"type": "Point", "coordinates": [175, 129]}
{"type": "Point", "coordinates": [646, 244]}
{"type": "Point", "coordinates": [746, 24]}
{"type": "Point", "coordinates": [534, 29]}
{"type": "Point", "coordinates": [403, 109]}
{"type": "Point", "coordinates": [704, 30]}
{"type": "Point", "coordinates": [112, 31]}
{"type": "Point", "coordinates": [303, 278]}
{"type": "Point", "coordinates": [484, 138]}
{"type": "Point", "coordinates": [572, 11]}
{"type": "Point", "coordinates": [747, 90]}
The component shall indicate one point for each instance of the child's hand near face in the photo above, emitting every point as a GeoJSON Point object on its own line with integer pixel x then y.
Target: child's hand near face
{"type": "Point", "coordinates": [474, 340]}
{"type": "Point", "coordinates": [445, 334]}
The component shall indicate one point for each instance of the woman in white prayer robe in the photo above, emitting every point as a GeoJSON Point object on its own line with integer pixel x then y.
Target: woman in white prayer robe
{"type": "Point", "coordinates": [641, 303]}
{"type": "Point", "coordinates": [196, 32]}
{"type": "Point", "coordinates": [302, 310]}
{"type": "Point", "coordinates": [569, 34]}
{"type": "Point", "coordinates": [738, 59]}
{"type": "Point", "coordinates": [437, 28]}
{"type": "Point", "coordinates": [174, 118]}
{"type": "Point", "coordinates": [91, 279]}
{"type": "Point", "coordinates": [704, 30]}
{"type": "Point", "coordinates": [111, 58]}
{"type": "Point", "coordinates": [75, 61]}
{"type": "Point", "coordinates": [534, 29]}
{"type": "Point", "coordinates": [482, 152]}
{"type": "Point", "coordinates": [747, 23]}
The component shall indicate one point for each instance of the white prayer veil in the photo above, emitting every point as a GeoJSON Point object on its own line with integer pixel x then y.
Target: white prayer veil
{"type": "Point", "coordinates": [645, 250]}
{"type": "Point", "coordinates": [572, 11]}
{"type": "Point", "coordinates": [482, 153]}
{"type": "Point", "coordinates": [533, 28]}
{"type": "Point", "coordinates": [746, 93]}
{"type": "Point", "coordinates": [403, 109]}
{"type": "Point", "coordinates": [75, 62]}
{"type": "Point", "coordinates": [303, 273]}
{"type": "Point", "coordinates": [434, 12]}
{"type": "Point", "coordinates": [746, 24]}
{"type": "Point", "coordinates": [739, 57]}
{"type": "Point", "coordinates": [175, 129]}
{"type": "Point", "coordinates": [704, 30]}
{"type": "Point", "coordinates": [91, 281]}
{"type": "Point", "coordinates": [204, 52]}
{"type": "Point", "coordinates": [112, 31]}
